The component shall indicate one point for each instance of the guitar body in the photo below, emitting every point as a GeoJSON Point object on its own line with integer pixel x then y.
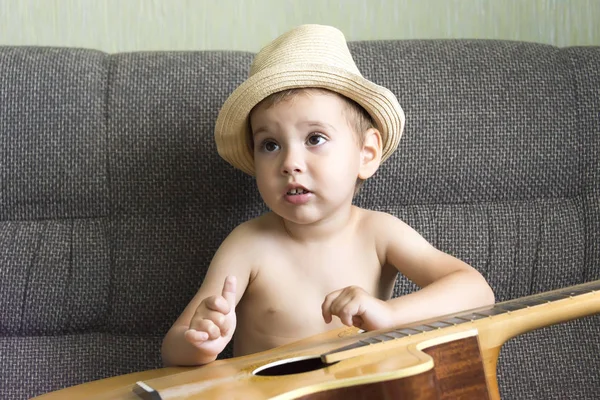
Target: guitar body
{"type": "Point", "coordinates": [450, 357]}
{"type": "Point", "coordinates": [296, 371]}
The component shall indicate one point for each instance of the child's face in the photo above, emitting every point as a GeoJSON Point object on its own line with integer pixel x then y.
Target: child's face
{"type": "Point", "coordinates": [306, 155]}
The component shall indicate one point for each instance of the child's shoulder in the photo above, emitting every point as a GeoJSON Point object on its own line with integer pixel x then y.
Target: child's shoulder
{"type": "Point", "coordinates": [383, 225]}
{"type": "Point", "coordinates": [373, 219]}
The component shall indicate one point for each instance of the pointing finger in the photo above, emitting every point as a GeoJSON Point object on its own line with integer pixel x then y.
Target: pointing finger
{"type": "Point", "coordinates": [229, 290]}
{"type": "Point", "coordinates": [326, 306]}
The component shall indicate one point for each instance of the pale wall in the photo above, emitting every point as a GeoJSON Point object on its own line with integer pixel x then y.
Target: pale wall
{"type": "Point", "coordinates": [130, 25]}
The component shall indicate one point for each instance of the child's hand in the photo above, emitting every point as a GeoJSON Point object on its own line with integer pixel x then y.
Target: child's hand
{"type": "Point", "coordinates": [212, 327]}
{"type": "Point", "coordinates": [356, 307]}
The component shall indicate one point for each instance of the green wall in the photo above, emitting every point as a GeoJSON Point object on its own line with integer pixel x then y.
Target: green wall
{"type": "Point", "coordinates": [130, 25]}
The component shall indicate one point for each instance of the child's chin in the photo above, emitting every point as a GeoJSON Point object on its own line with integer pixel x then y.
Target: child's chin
{"type": "Point", "coordinates": [297, 218]}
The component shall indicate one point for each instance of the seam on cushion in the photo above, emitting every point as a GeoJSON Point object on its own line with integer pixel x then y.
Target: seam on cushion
{"type": "Point", "coordinates": [95, 217]}
{"type": "Point", "coordinates": [28, 274]}
{"type": "Point", "coordinates": [436, 235]}
{"type": "Point", "coordinates": [516, 247]}
{"type": "Point", "coordinates": [67, 303]}
{"type": "Point", "coordinates": [584, 157]}
{"type": "Point", "coordinates": [475, 203]}
{"type": "Point", "coordinates": [569, 61]}
{"type": "Point", "coordinates": [538, 211]}
{"type": "Point", "coordinates": [488, 258]}
{"type": "Point", "coordinates": [580, 205]}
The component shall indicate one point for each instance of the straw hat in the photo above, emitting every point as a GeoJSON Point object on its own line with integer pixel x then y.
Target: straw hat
{"type": "Point", "coordinates": [307, 56]}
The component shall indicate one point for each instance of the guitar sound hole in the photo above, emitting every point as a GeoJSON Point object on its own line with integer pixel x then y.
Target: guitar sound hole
{"type": "Point", "coordinates": [291, 366]}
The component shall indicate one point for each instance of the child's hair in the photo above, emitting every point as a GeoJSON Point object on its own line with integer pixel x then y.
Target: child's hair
{"type": "Point", "coordinates": [357, 116]}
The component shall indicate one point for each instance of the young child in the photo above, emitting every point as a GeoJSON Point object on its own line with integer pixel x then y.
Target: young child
{"type": "Point", "coordinates": [310, 128]}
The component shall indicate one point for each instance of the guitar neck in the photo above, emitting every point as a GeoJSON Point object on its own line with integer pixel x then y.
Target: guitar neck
{"type": "Point", "coordinates": [537, 311]}
{"type": "Point", "coordinates": [495, 324]}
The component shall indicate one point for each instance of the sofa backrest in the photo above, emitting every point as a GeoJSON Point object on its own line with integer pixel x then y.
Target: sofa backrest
{"type": "Point", "coordinates": [113, 198]}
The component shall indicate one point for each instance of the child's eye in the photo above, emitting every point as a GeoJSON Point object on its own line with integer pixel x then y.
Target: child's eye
{"type": "Point", "coordinates": [316, 139]}
{"type": "Point", "coordinates": [269, 146]}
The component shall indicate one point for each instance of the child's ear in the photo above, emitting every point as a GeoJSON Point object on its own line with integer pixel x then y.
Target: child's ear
{"type": "Point", "coordinates": [370, 154]}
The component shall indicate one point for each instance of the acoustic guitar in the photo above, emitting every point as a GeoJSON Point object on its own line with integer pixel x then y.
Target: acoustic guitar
{"type": "Point", "coordinates": [442, 358]}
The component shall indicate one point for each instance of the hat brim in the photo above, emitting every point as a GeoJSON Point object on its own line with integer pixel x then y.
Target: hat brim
{"type": "Point", "coordinates": [231, 129]}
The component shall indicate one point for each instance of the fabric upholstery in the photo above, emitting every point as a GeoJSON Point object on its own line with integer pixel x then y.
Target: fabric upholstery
{"type": "Point", "coordinates": [113, 198]}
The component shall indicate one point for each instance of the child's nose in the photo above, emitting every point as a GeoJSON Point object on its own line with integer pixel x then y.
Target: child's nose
{"type": "Point", "coordinates": [293, 162]}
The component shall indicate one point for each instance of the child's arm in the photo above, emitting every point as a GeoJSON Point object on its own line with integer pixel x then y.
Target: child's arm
{"type": "Point", "coordinates": [208, 322]}
{"type": "Point", "coordinates": [448, 285]}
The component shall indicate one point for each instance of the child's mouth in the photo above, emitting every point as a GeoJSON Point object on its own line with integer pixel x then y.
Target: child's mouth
{"type": "Point", "coordinates": [298, 191]}
{"type": "Point", "coordinates": [298, 196]}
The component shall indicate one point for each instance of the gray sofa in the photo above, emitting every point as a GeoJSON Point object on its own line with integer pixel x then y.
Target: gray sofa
{"type": "Point", "coordinates": [113, 198]}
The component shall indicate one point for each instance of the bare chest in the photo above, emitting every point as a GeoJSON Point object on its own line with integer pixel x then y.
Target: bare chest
{"type": "Point", "coordinates": [283, 302]}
